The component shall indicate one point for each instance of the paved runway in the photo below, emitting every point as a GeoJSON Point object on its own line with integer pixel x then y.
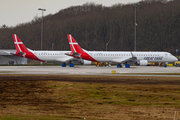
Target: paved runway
{"type": "Point", "coordinates": [84, 70]}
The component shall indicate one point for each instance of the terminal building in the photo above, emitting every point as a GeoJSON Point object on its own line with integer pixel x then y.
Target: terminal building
{"type": "Point", "coordinates": [7, 58]}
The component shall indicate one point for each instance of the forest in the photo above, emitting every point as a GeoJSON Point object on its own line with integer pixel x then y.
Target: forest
{"type": "Point", "coordinates": [94, 25]}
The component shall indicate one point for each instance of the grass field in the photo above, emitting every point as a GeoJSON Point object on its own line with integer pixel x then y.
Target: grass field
{"type": "Point", "coordinates": [60, 97]}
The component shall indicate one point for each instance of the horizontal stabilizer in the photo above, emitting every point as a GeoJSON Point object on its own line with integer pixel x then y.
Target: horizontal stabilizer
{"type": "Point", "coordinates": [76, 54]}
{"type": "Point", "coordinates": [133, 57]}
{"type": "Point", "coordinates": [19, 53]}
{"type": "Point", "coordinates": [13, 53]}
{"type": "Point", "coordinates": [73, 54]}
{"type": "Point", "coordinates": [9, 53]}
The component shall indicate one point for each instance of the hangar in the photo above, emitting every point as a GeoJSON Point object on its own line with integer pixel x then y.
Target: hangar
{"type": "Point", "coordinates": [7, 57]}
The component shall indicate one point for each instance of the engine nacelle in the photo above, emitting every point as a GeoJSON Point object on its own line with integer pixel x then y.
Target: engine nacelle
{"type": "Point", "coordinates": [142, 62]}
{"type": "Point", "coordinates": [86, 62]}
{"type": "Point", "coordinates": [80, 61]}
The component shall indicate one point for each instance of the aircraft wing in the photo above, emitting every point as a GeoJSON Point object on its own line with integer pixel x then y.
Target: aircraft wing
{"type": "Point", "coordinates": [67, 59]}
{"type": "Point", "coordinates": [21, 53]}
{"type": "Point", "coordinates": [14, 53]}
{"type": "Point", "coordinates": [126, 60]}
{"type": "Point", "coordinates": [9, 53]}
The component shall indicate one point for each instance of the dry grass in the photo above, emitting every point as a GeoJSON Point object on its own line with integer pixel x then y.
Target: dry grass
{"type": "Point", "coordinates": [30, 97]}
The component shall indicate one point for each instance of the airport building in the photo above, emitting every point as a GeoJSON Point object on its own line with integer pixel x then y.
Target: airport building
{"type": "Point", "coordinates": [7, 58]}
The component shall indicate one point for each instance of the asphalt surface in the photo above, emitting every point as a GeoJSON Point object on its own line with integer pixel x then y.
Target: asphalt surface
{"type": "Point", "coordinates": [86, 70]}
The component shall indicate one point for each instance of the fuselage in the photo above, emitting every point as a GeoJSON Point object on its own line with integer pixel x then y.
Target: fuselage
{"type": "Point", "coordinates": [52, 55]}
{"type": "Point", "coordinates": [55, 56]}
{"type": "Point", "coordinates": [119, 57]}
{"type": "Point", "coordinates": [109, 56]}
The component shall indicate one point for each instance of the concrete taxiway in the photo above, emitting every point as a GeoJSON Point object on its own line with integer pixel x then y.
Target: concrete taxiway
{"type": "Point", "coordinates": [85, 70]}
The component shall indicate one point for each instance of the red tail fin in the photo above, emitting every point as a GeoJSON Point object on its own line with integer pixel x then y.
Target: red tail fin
{"type": "Point", "coordinates": [74, 45]}
{"type": "Point", "coordinates": [22, 51]}
{"type": "Point", "coordinates": [20, 47]}
{"type": "Point", "coordinates": [77, 51]}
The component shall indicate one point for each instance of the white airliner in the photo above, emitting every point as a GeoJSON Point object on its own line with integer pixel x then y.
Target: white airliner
{"type": "Point", "coordinates": [44, 56]}
{"type": "Point", "coordinates": [120, 57]}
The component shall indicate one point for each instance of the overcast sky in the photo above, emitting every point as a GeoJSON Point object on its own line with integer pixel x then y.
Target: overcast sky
{"type": "Point", "coordinates": [14, 12]}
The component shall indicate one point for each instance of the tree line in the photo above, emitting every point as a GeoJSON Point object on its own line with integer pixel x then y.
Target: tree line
{"type": "Point", "coordinates": [94, 25]}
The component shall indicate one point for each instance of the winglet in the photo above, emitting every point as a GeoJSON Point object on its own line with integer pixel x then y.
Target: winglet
{"type": "Point", "coordinates": [133, 57]}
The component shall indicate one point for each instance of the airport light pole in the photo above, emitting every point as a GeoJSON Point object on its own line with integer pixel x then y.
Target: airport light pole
{"type": "Point", "coordinates": [106, 46]}
{"type": "Point", "coordinates": [135, 25]}
{"type": "Point", "coordinates": [52, 50]}
{"type": "Point", "coordinates": [42, 26]}
{"type": "Point", "coordinates": [52, 46]}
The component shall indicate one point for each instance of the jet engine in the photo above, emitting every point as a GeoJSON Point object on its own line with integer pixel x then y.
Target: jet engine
{"type": "Point", "coordinates": [85, 62]}
{"type": "Point", "coordinates": [80, 61]}
{"type": "Point", "coordinates": [142, 62]}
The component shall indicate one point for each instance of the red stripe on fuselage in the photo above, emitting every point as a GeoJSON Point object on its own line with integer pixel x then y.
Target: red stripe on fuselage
{"type": "Point", "coordinates": [85, 56]}
{"type": "Point", "coordinates": [29, 55]}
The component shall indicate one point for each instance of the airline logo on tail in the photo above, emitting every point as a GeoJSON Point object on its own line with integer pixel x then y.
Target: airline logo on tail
{"type": "Point", "coordinates": [77, 51]}
{"type": "Point", "coordinates": [21, 49]}
{"type": "Point", "coordinates": [74, 45]}
{"type": "Point", "coordinates": [17, 42]}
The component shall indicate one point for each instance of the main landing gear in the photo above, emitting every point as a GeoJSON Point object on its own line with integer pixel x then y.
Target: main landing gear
{"type": "Point", "coordinates": [63, 64]}
{"type": "Point", "coordinates": [70, 65]}
{"type": "Point", "coordinates": [120, 66]}
{"type": "Point", "coordinates": [127, 66]}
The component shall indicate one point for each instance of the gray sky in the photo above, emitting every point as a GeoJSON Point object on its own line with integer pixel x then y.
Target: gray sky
{"type": "Point", "coordinates": [14, 12]}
